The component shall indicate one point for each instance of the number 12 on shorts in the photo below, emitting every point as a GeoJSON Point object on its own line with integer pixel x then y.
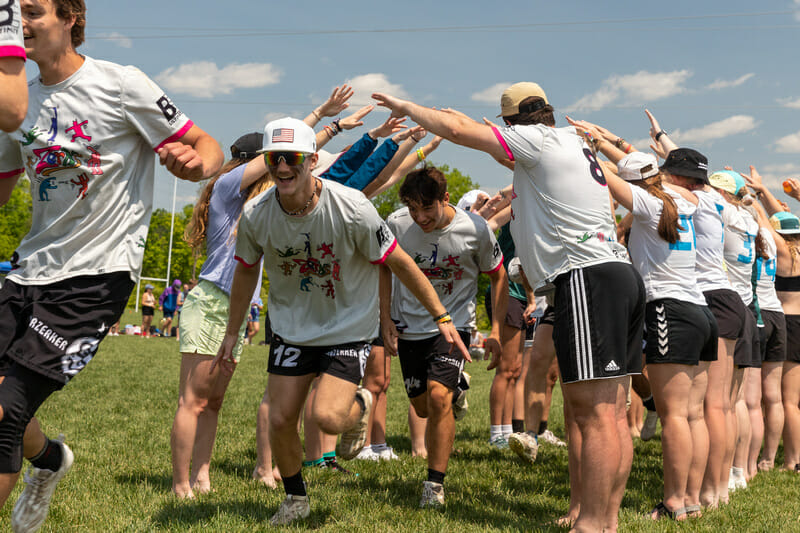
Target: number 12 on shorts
{"type": "Point", "coordinates": [286, 356]}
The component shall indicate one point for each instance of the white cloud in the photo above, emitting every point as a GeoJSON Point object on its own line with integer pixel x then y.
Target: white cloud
{"type": "Point", "coordinates": [724, 84]}
{"type": "Point", "coordinates": [785, 168]}
{"type": "Point", "coordinates": [376, 82]}
{"type": "Point", "coordinates": [117, 38]}
{"type": "Point", "coordinates": [789, 144]}
{"type": "Point", "coordinates": [640, 87]}
{"type": "Point", "coordinates": [269, 117]}
{"type": "Point", "coordinates": [204, 79]}
{"type": "Point", "coordinates": [491, 95]}
{"type": "Point", "coordinates": [716, 130]}
{"type": "Point", "coordinates": [788, 102]}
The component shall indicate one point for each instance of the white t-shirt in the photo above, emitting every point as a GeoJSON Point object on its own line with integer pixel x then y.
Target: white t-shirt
{"type": "Point", "coordinates": [12, 43]}
{"type": "Point", "coordinates": [709, 227]}
{"type": "Point", "coordinates": [740, 249]}
{"type": "Point", "coordinates": [87, 147]}
{"type": "Point", "coordinates": [451, 258]}
{"type": "Point", "coordinates": [561, 213]}
{"type": "Point", "coordinates": [765, 282]}
{"type": "Point", "coordinates": [322, 266]}
{"type": "Point", "coordinates": [666, 269]}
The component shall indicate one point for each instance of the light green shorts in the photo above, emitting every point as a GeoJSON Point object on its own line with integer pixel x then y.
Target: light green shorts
{"type": "Point", "coordinates": [204, 318]}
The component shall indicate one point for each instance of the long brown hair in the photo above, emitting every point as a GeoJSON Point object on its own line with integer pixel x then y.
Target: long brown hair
{"type": "Point", "coordinates": [669, 222]}
{"type": "Point", "coordinates": [195, 232]}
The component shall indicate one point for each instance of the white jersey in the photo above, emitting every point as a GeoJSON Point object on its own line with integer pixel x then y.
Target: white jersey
{"type": "Point", "coordinates": [451, 258]}
{"type": "Point", "coordinates": [740, 249]}
{"type": "Point", "coordinates": [87, 146]}
{"type": "Point", "coordinates": [666, 269]}
{"type": "Point", "coordinates": [765, 280]}
{"type": "Point", "coordinates": [322, 266]}
{"type": "Point", "coordinates": [12, 43]}
{"type": "Point", "coordinates": [561, 213]}
{"type": "Point", "coordinates": [709, 227]}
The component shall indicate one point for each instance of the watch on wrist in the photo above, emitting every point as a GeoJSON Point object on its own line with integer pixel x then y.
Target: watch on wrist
{"type": "Point", "coordinates": [659, 134]}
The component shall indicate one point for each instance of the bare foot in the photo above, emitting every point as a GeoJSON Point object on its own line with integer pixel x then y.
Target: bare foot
{"type": "Point", "coordinates": [202, 487]}
{"type": "Point", "coordinates": [566, 521]}
{"type": "Point", "coordinates": [276, 474]}
{"type": "Point", "coordinates": [183, 493]}
{"type": "Point", "coordinates": [765, 466]}
{"type": "Point", "coordinates": [268, 480]}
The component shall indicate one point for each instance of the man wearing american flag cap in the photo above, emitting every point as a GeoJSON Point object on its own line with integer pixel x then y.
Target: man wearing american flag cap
{"type": "Point", "coordinates": [322, 244]}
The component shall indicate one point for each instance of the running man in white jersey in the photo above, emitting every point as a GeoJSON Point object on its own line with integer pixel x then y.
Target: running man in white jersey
{"type": "Point", "coordinates": [87, 145]}
{"type": "Point", "coordinates": [321, 243]}
{"type": "Point", "coordinates": [13, 85]}
{"type": "Point", "coordinates": [566, 240]}
{"type": "Point", "coordinates": [465, 247]}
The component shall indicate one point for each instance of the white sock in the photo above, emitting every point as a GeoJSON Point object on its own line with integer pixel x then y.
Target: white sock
{"type": "Point", "coordinates": [737, 472]}
{"type": "Point", "coordinates": [507, 430]}
{"type": "Point", "coordinates": [495, 431]}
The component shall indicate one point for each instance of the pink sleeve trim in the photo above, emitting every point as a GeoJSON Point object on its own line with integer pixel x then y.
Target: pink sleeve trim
{"type": "Point", "coordinates": [503, 143]}
{"type": "Point", "coordinates": [383, 259]}
{"type": "Point", "coordinates": [12, 51]}
{"type": "Point", "coordinates": [245, 263]}
{"type": "Point", "coordinates": [495, 269]}
{"type": "Point", "coordinates": [12, 173]}
{"type": "Point", "coordinates": [176, 136]}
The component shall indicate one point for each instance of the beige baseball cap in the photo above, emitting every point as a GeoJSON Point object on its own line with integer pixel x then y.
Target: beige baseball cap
{"type": "Point", "coordinates": [511, 98]}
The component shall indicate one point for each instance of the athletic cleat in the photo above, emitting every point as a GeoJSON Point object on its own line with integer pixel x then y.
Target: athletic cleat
{"type": "Point", "coordinates": [649, 427]}
{"type": "Point", "coordinates": [292, 508]}
{"type": "Point", "coordinates": [460, 403]}
{"type": "Point", "coordinates": [33, 504]}
{"type": "Point", "coordinates": [354, 438]}
{"type": "Point", "coordinates": [366, 454]}
{"type": "Point", "coordinates": [524, 445]}
{"type": "Point", "coordinates": [549, 438]}
{"type": "Point", "coordinates": [432, 495]}
{"type": "Point", "coordinates": [499, 442]}
{"type": "Point", "coordinates": [386, 454]}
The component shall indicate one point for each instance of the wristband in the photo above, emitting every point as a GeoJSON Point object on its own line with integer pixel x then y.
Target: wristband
{"type": "Point", "coordinates": [659, 134]}
{"type": "Point", "coordinates": [316, 115]}
{"type": "Point", "coordinates": [619, 142]}
{"type": "Point", "coordinates": [629, 149]}
{"type": "Point", "coordinates": [420, 154]}
{"type": "Point", "coordinates": [337, 126]}
{"type": "Point", "coordinates": [444, 317]}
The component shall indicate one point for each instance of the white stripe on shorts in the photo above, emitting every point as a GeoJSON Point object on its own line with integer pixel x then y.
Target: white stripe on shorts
{"type": "Point", "coordinates": [583, 335]}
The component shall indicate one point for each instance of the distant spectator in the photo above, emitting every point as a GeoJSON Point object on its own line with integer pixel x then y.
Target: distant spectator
{"type": "Point", "coordinates": [148, 307]}
{"type": "Point", "coordinates": [168, 304]}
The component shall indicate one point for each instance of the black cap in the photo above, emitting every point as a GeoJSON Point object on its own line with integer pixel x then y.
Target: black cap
{"type": "Point", "coordinates": [247, 146]}
{"type": "Point", "coordinates": [688, 163]}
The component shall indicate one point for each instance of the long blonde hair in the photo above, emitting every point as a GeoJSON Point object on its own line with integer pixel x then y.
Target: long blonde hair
{"type": "Point", "coordinates": [195, 232]}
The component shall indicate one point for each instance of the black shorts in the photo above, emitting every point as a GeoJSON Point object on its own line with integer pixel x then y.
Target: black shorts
{"type": "Point", "coordinates": [599, 320]}
{"type": "Point", "coordinates": [430, 360]}
{"type": "Point", "coordinates": [773, 337]}
{"type": "Point", "coordinates": [549, 316]}
{"type": "Point", "coordinates": [378, 342]}
{"type": "Point", "coordinates": [793, 338]}
{"type": "Point", "coordinates": [679, 332]}
{"type": "Point", "coordinates": [729, 311]}
{"type": "Point", "coordinates": [168, 313]}
{"type": "Point", "coordinates": [345, 361]}
{"type": "Point", "coordinates": [748, 347]}
{"type": "Point", "coordinates": [147, 310]}
{"type": "Point", "coordinates": [514, 313]}
{"type": "Point", "coordinates": [55, 329]}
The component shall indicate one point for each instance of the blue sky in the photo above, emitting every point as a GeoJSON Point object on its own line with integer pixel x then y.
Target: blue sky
{"type": "Point", "coordinates": [721, 77]}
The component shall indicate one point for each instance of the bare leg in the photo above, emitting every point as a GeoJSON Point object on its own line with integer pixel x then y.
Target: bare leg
{"type": "Point", "coordinates": [733, 435]}
{"type": "Point", "coordinates": [716, 402]}
{"type": "Point", "coordinates": [697, 425]}
{"type": "Point", "coordinates": [263, 471]}
{"type": "Point", "coordinates": [417, 427]}
{"type": "Point", "coordinates": [376, 382]}
{"type": "Point", "coordinates": [790, 388]}
{"type": "Point", "coordinates": [312, 434]}
{"type": "Point", "coordinates": [575, 449]}
{"type": "Point", "coordinates": [626, 458]}
{"type": "Point", "coordinates": [542, 355]}
{"type": "Point", "coordinates": [771, 374]}
{"type": "Point", "coordinates": [32, 443]}
{"type": "Point", "coordinates": [635, 415]}
{"type": "Point", "coordinates": [752, 399]}
{"type": "Point", "coordinates": [436, 404]}
{"type": "Point", "coordinates": [287, 395]}
{"type": "Point", "coordinates": [501, 395]}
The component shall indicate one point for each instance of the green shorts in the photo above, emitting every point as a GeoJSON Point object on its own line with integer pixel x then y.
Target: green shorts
{"type": "Point", "coordinates": [204, 318]}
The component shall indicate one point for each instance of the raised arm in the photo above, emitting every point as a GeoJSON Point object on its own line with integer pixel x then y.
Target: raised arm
{"type": "Point", "coordinates": [409, 162]}
{"type": "Point", "coordinates": [454, 127]}
{"type": "Point", "coordinates": [335, 104]}
{"type": "Point", "coordinates": [662, 144]}
{"type": "Point", "coordinates": [766, 198]}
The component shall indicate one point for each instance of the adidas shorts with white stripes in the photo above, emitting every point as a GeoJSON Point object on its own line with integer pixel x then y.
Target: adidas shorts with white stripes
{"type": "Point", "coordinates": [680, 333]}
{"type": "Point", "coordinates": [599, 320]}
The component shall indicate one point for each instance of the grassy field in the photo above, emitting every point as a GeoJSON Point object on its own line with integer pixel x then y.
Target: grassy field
{"type": "Point", "coordinates": [118, 413]}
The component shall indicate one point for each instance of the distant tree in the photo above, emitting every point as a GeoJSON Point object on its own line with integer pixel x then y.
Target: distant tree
{"type": "Point", "coordinates": [15, 219]}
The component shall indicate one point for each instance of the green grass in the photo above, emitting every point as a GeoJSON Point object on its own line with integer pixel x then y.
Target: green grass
{"type": "Point", "coordinates": [117, 416]}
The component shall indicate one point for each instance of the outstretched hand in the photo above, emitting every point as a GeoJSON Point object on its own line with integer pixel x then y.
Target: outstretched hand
{"type": "Point", "coordinates": [356, 119]}
{"type": "Point", "coordinates": [418, 132]}
{"type": "Point", "coordinates": [336, 102]}
{"type": "Point", "coordinates": [397, 106]}
{"type": "Point", "coordinates": [392, 125]}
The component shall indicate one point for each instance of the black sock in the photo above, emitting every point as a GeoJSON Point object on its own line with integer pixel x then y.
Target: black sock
{"type": "Point", "coordinates": [649, 403]}
{"type": "Point", "coordinates": [517, 426]}
{"type": "Point", "coordinates": [294, 484]}
{"type": "Point", "coordinates": [542, 427]}
{"type": "Point", "coordinates": [49, 458]}
{"type": "Point", "coordinates": [435, 476]}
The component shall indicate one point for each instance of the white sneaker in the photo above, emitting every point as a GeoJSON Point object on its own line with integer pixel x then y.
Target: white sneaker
{"type": "Point", "coordinates": [31, 508]}
{"type": "Point", "coordinates": [499, 442]}
{"type": "Point", "coordinates": [524, 445]}
{"type": "Point", "coordinates": [432, 494]}
{"type": "Point", "coordinates": [649, 427]}
{"type": "Point", "coordinates": [386, 454]}
{"type": "Point", "coordinates": [549, 438]}
{"type": "Point", "coordinates": [354, 438]}
{"type": "Point", "coordinates": [292, 508]}
{"type": "Point", "coordinates": [366, 454]}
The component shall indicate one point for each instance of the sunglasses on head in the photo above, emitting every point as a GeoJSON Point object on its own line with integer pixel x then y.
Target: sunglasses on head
{"type": "Point", "coordinates": [293, 159]}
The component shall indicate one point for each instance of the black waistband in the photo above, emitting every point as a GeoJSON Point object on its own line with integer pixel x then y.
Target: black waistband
{"type": "Point", "coordinates": [787, 284]}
